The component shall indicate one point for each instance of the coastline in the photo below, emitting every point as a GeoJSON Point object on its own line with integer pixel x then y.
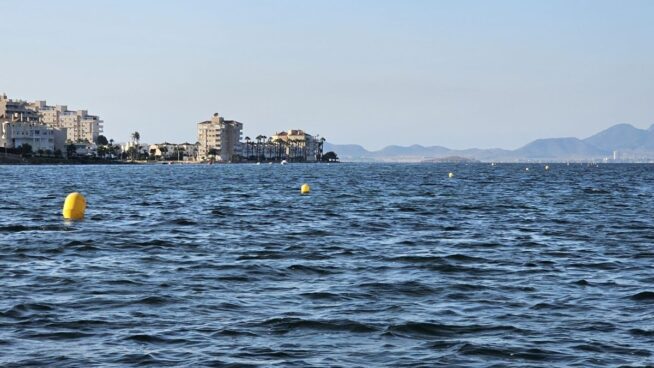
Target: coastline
{"type": "Point", "coordinates": [19, 160]}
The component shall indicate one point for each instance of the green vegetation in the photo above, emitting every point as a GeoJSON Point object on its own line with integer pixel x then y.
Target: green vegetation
{"type": "Point", "coordinates": [330, 157]}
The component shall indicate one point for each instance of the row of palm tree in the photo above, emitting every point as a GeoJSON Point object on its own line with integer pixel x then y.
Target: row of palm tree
{"type": "Point", "coordinates": [179, 152]}
{"type": "Point", "coordinates": [268, 149]}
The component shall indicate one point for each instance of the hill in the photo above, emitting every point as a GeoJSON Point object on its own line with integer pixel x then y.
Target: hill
{"type": "Point", "coordinates": [628, 143]}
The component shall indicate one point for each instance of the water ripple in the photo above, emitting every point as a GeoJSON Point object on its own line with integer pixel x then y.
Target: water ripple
{"type": "Point", "coordinates": [381, 265]}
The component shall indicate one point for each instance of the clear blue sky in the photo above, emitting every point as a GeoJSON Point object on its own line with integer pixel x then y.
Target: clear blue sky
{"type": "Point", "coordinates": [454, 73]}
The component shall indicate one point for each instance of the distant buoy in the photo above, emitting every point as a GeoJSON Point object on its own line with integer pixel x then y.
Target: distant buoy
{"type": "Point", "coordinates": [74, 206]}
{"type": "Point", "coordinates": [305, 189]}
{"type": "Point", "coordinates": [284, 162]}
{"type": "Point", "coordinates": [450, 175]}
{"type": "Point", "coordinates": [526, 169]}
{"type": "Point", "coordinates": [547, 167]}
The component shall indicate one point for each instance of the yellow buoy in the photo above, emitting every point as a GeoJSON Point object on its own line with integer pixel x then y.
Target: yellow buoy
{"type": "Point", "coordinates": [450, 175]}
{"type": "Point", "coordinates": [305, 189]}
{"type": "Point", "coordinates": [74, 206]}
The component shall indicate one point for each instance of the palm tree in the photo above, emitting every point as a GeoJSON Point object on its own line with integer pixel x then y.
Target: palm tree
{"type": "Point", "coordinates": [259, 138]}
{"type": "Point", "coordinates": [280, 142]}
{"type": "Point", "coordinates": [163, 149]}
{"type": "Point", "coordinates": [136, 137]}
{"type": "Point", "coordinates": [284, 149]}
{"type": "Point", "coordinates": [247, 146]}
{"type": "Point", "coordinates": [320, 148]}
{"type": "Point", "coordinates": [292, 148]}
{"type": "Point", "coordinates": [269, 145]}
{"type": "Point", "coordinates": [263, 148]}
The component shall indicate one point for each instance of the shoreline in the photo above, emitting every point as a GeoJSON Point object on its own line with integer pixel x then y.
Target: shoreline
{"type": "Point", "coordinates": [19, 160]}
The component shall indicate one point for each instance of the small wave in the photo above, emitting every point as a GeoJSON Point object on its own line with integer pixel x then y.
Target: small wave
{"type": "Point", "coordinates": [153, 300]}
{"type": "Point", "coordinates": [467, 287]}
{"type": "Point", "coordinates": [123, 282]}
{"type": "Point", "coordinates": [285, 325]}
{"type": "Point", "coordinates": [641, 332]}
{"type": "Point", "coordinates": [310, 232]}
{"type": "Point", "coordinates": [24, 310]}
{"type": "Point", "coordinates": [226, 306]}
{"type": "Point", "coordinates": [411, 288]}
{"type": "Point", "coordinates": [144, 359]}
{"type": "Point", "coordinates": [534, 354]}
{"type": "Point", "coordinates": [236, 278]}
{"type": "Point", "coordinates": [154, 243]}
{"type": "Point", "coordinates": [311, 269]}
{"type": "Point", "coordinates": [407, 209]}
{"type": "Point", "coordinates": [425, 329]}
{"type": "Point", "coordinates": [13, 228]}
{"type": "Point", "coordinates": [263, 255]}
{"type": "Point", "coordinates": [644, 296]}
{"type": "Point", "coordinates": [598, 265]}
{"type": "Point", "coordinates": [267, 353]}
{"type": "Point", "coordinates": [59, 335]}
{"type": "Point", "coordinates": [600, 348]}
{"type": "Point", "coordinates": [545, 306]}
{"type": "Point", "coordinates": [323, 296]}
{"type": "Point", "coordinates": [77, 324]}
{"type": "Point", "coordinates": [22, 228]}
{"type": "Point", "coordinates": [230, 332]}
{"type": "Point", "coordinates": [183, 222]}
{"type": "Point", "coordinates": [598, 327]}
{"type": "Point", "coordinates": [464, 258]}
{"type": "Point", "coordinates": [458, 296]}
{"type": "Point", "coordinates": [415, 259]}
{"type": "Point", "coordinates": [153, 339]}
{"type": "Point", "coordinates": [596, 191]}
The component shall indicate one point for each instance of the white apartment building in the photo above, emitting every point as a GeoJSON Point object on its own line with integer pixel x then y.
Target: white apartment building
{"type": "Point", "coordinates": [222, 136]}
{"type": "Point", "coordinates": [174, 151]}
{"type": "Point", "coordinates": [38, 136]}
{"type": "Point", "coordinates": [81, 126]}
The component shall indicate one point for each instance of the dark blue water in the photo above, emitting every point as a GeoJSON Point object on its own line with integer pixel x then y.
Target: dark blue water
{"type": "Point", "coordinates": [381, 265]}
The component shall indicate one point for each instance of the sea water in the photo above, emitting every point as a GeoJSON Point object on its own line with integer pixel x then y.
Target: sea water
{"type": "Point", "coordinates": [391, 265]}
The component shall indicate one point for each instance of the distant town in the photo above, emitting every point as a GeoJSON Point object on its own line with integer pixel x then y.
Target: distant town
{"type": "Point", "coordinates": [35, 132]}
{"type": "Point", "coordinates": [36, 129]}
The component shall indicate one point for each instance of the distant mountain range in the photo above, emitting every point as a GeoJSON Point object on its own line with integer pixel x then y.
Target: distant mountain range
{"type": "Point", "coordinates": [622, 142]}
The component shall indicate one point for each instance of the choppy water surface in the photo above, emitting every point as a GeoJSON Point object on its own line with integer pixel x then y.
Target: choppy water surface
{"type": "Point", "coordinates": [381, 265]}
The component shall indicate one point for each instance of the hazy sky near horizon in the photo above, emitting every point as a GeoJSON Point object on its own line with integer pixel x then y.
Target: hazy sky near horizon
{"type": "Point", "coordinates": [454, 73]}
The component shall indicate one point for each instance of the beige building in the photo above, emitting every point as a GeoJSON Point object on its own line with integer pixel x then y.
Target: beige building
{"type": "Point", "coordinates": [298, 145]}
{"type": "Point", "coordinates": [16, 110]}
{"type": "Point", "coordinates": [219, 138]}
{"type": "Point", "coordinates": [81, 126]}
{"type": "Point", "coordinates": [38, 136]}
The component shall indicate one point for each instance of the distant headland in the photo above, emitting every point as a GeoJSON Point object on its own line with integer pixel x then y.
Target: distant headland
{"type": "Point", "coordinates": [619, 143]}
